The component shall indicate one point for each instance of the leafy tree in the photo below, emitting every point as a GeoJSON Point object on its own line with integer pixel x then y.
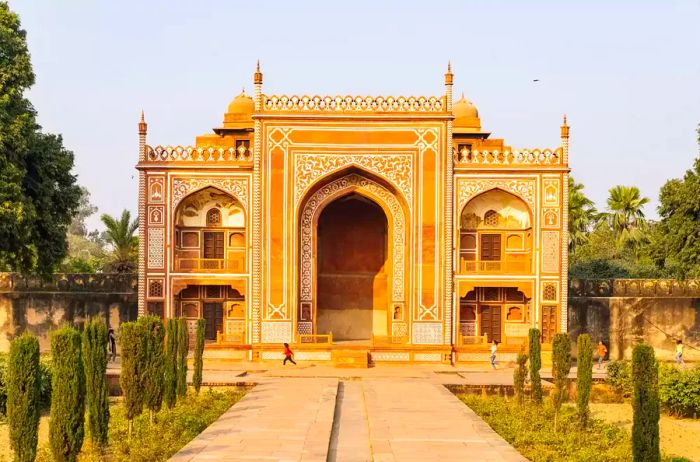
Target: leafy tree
{"type": "Point", "coordinates": [153, 379]}
{"type": "Point", "coordinates": [182, 350]}
{"type": "Point", "coordinates": [561, 365]}
{"type": "Point", "coordinates": [198, 356]}
{"type": "Point", "coordinates": [645, 404]}
{"type": "Point", "coordinates": [66, 427]}
{"type": "Point", "coordinates": [121, 236]}
{"type": "Point", "coordinates": [535, 364]}
{"type": "Point", "coordinates": [23, 399]}
{"type": "Point", "coordinates": [519, 376]}
{"type": "Point", "coordinates": [170, 373]}
{"type": "Point", "coordinates": [626, 215]}
{"type": "Point", "coordinates": [582, 215]}
{"type": "Point", "coordinates": [95, 355]}
{"type": "Point", "coordinates": [86, 250]}
{"type": "Point", "coordinates": [584, 377]}
{"type": "Point", "coordinates": [131, 379]}
{"type": "Point", "coordinates": [38, 194]}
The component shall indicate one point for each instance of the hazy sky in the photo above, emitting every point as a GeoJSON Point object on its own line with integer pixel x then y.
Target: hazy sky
{"type": "Point", "coordinates": [627, 74]}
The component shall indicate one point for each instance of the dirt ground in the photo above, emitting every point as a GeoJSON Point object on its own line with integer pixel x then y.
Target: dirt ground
{"type": "Point", "coordinates": [679, 437]}
{"type": "Point", "coordinates": [6, 452]}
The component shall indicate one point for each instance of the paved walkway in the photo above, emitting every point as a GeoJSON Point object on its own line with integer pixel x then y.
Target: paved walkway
{"type": "Point", "coordinates": [345, 420]}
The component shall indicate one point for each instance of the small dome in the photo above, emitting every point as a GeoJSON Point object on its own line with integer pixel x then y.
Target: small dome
{"type": "Point", "coordinates": [466, 114]}
{"type": "Point", "coordinates": [241, 104]}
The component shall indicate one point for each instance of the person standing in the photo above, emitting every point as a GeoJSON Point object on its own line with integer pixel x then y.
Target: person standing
{"type": "Point", "coordinates": [494, 349]}
{"type": "Point", "coordinates": [602, 351]}
{"type": "Point", "coordinates": [288, 355]}
{"type": "Point", "coordinates": [679, 352]}
{"type": "Point", "coordinates": [112, 345]}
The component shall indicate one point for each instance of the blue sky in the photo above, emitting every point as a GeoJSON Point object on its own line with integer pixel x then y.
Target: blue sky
{"type": "Point", "coordinates": [627, 74]}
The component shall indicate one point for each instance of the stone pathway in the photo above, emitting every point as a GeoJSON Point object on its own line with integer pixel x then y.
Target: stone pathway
{"type": "Point", "coordinates": [341, 420]}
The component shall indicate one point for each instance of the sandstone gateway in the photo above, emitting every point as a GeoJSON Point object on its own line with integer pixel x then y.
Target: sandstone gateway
{"type": "Point", "coordinates": [392, 229]}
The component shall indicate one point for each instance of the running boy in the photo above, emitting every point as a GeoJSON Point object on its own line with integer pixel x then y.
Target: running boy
{"type": "Point", "coordinates": [288, 355]}
{"type": "Point", "coordinates": [602, 351]}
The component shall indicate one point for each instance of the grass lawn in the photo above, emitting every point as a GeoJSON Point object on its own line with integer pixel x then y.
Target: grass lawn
{"type": "Point", "coordinates": [530, 429]}
{"type": "Point", "coordinates": [173, 429]}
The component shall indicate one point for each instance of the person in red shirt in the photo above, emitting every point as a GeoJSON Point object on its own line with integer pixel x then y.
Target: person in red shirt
{"type": "Point", "coordinates": [288, 355]}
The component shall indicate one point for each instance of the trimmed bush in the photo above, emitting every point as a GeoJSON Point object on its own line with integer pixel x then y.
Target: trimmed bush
{"type": "Point", "coordinates": [561, 365]}
{"type": "Point", "coordinates": [182, 350]}
{"type": "Point", "coordinates": [66, 427]}
{"type": "Point", "coordinates": [620, 377]}
{"type": "Point", "coordinates": [23, 383]}
{"type": "Point", "coordinates": [198, 356]}
{"type": "Point", "coordinates": [519, 376]}
{"type": "Point", "coordinates": [645, 404]}
{"type": "Point", "coordinates": [153, 373]}
{"type": "Point", "coordinates": [44, 384]}
{"type": "Point", "coordinates": [170, 367]}
{"type": "Point", "coordinates": [95, 354]}
{"type": "Point", "coordinates": [535, 364]}
{"type": "Point", "coordinates": [131, 379]}
{"type": "Point", "coordinates": [679, 390]}
{"type": "Point", "coordinates": [584, 377]}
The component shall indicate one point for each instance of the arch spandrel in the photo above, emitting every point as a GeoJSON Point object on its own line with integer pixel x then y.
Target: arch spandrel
{"type": "Point", "coordinates": [468, 188]}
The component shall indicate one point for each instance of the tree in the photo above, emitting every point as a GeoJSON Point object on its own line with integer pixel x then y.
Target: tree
{"type": "Point", "coordinates": [535, 364]}
{"type": "Point", "coordinates": [645, 405]}
{"type": "Point", "coordinates": [86, 250]}
{"type": "Point", "coordinates": [23, 380]}
{"type": "Point", "coordinates": [38, 193]}
{"type": "Point", "coordinates": [198, 356]}
{"type": "Point", "coordinates": [131, 379]}
{"type": "Point", "coordinates": [582, 215]}
{"type": "Point", "coordinates": [121, 236]}
{"type": "Point", "coordinates": [170, 372]}
{"type": "Point", "coordinates": [626, 216]}
{"type": "Point", "coordinates": [95, 355]}
{"type": "Point", "coordinates": [66, 427]}
{"type": "Point", "coordinates": [153, 378]}
{"type": "Point", "coordinates": [584, 377]}
{"type": "Point", "coordinates": [182, 350]}
{"type": "Point", "coordinates": [519, 376]}
{"type": "Point", "coordinates": [561, 365]}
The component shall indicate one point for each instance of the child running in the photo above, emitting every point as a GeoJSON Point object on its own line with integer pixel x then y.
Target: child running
{"type": "Point", "coordinates": [602, 351]}
{"type": "Point", "coordinates": [679, 352]}
{"type": "Point", "coordinates": [494, 348]}
{"type": "Point", "coordinates": [288, 355]}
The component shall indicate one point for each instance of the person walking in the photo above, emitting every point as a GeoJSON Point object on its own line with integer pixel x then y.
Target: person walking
{"type": "Point", "coordinates": [288, 355]}
{"type": "Point", "coordinates": [494, 349]}
{"type": "Point", "coordinates": [679, 352]}
{"type": "Point", "coordinates": [112, 345]}
{"type": "Point", "coordinates": [602, 351]}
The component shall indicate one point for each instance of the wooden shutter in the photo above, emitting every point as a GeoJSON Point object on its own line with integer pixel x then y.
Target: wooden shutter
{"type": "Point", "coordinates": [213, 245]}
{"type": "Point", "coordinates": [490, 247]}
{"type": "Point", "coordinates": [491, 322]}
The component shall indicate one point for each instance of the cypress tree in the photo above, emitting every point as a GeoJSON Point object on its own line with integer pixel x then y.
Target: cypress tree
{"type": "Point", "coordinates": [198, 356]}
{"type": "Point", "coordinates": [645, 404]}
{"type": "Point", "coordinates": [95, 355]}
{"type": "Point", "coordinates": [535, 364]}
{"type": "Point", "coordinates": [182, 350]}
{"type": "Point", "coordinates": [133, 341]}
{"type": "Point", "coordinates": [153, 378]}
{"type": "Point", "coordinates": [23, 400]}
{"type": "Point", "coordinates": [66, 428]}
{"type": "Point", "coordinates": [519, 375]}
{"type": "Point", "coordinates": [561, 365]}
{"type": "Point", "coordinates": [584, 377]}
{"type": "Point", "coordinates": [170, 368]}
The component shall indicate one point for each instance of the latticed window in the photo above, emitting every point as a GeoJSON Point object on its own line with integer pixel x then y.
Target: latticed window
{"type": "Point", "coordinates": [155, 289]}
{"type": "Point", "coordinates": [214, 217]}
{"type": "Point", "coordinates": [549, 293]}
{"type": "Point", "coordinates": [155, 309]}
{"type": "Point", "coordinates": [491, 218]}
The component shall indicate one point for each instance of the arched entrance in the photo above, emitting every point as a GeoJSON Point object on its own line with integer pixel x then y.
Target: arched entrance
{"type": "Point", "coordinates": [352, 280]}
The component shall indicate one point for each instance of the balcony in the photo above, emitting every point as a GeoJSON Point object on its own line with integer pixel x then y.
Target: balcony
{"type": "Point", "coordinates": [512, 264]}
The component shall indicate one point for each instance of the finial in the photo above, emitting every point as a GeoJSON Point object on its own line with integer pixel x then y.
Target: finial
{"type": "Point", "coordinates": [564, 119]}
{"type": "Point", "coordinates": [257, 66]}
{"type": "Point", "coordinates": [448, 74]}
{"type": "Point", "coordinates": [449, 66]}
{"type": "Point", "coordinates": [143, 119]}
{"type": "Point", "coordinates": [462, 97]}
{"type": "Point", "coordinates": [564, 128]}
{"type": "Point", "coordinates": [143, 127]}
{"type": "Point", "coordinates": [257, 77]}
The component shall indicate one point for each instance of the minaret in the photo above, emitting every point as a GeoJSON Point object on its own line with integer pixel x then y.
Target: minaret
{"type": "Point", "coordinates": [564, 318]}
{"type": "Point", "coordinates": [565, 141]}
{"type": "Point", "coordinates": [143, 130]}
{"type": "Point", "coordinates": [256, 286]}
{"type": "Point", "coordinates": [449, 245]}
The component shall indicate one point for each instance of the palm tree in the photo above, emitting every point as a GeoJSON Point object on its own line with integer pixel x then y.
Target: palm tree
{"type": "Point", "coordinates": [120, 235]}
{"type": "Point", "coordinates": [582, 215]}
{"type": "Point", "coordinates": [626, 216]}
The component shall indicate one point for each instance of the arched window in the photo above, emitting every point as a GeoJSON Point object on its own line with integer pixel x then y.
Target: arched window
{"type": "Point", "coordinates": [214, 217]}
{"type": "Point", "coordinates": [491, 218]}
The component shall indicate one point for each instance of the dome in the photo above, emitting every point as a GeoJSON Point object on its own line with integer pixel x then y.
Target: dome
{"type": "Point", "coordinates": [241, 104]}
{"type": "Point", "coordinates": [466, 115]}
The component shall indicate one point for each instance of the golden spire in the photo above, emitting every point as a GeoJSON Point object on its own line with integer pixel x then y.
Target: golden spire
{"type": "Point", "coordinates": [143, 126]}
{"type": "Point", "coordinates": [257, 77]}
{"type": "Point", "coordinates": [564, 128]}
{"type": "Point", "coordinates": [448, 75]}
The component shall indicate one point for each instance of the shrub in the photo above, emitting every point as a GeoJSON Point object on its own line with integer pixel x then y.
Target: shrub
{"type": "Point", "coordinates": [153, 373]}
{"type": "Point", "coordinates": [44, 384]}
{"type": "Point", "coordinates": [133, 342]}
{"type": "Point", "coordinates": [535, 364]}
{"type": "Point", "coordinates": [519, 375]}
{"type": "Point", "coordinates": [645, 404]}
{"type": "Point", "coordinates": [23, 381]}
{"type": "Point", "coordinates": [170, 367]}
{"type": "Point", "coordinates": [620, 377]}
{"type": "Point", "coordinates": [182, 350]}
{"type": "Point", "coordinates": [198, 356]}
{"type": "Point", "coordinates": [584, 377]}
{"type": "Point", "coordinates": [95, 355]}
{"type": "Point", "coordinates": [561, 365]}
{"type": "Point", "coordinates": [679, 390]}
{"type": "Point", "coordinates": [66, 428]}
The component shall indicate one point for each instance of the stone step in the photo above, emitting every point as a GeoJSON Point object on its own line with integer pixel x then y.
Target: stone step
{"type": "Point", "coordinates": [351, 358]}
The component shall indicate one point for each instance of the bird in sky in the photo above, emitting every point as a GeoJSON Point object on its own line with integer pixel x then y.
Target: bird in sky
{"type": "Point", "coordinates": [535, 80]}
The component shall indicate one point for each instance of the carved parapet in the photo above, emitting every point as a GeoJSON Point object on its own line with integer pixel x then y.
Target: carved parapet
{"type": "Point", "coordinates": [70, 282]}
{"type": "Point", "coordinates": [634, 288]}
{"type": "Point", "coordinates": [354, 104]}
{"type": "Point", "coordinates": [191, 154]}
{"type": "Point", "coordinates": [517, 157]}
